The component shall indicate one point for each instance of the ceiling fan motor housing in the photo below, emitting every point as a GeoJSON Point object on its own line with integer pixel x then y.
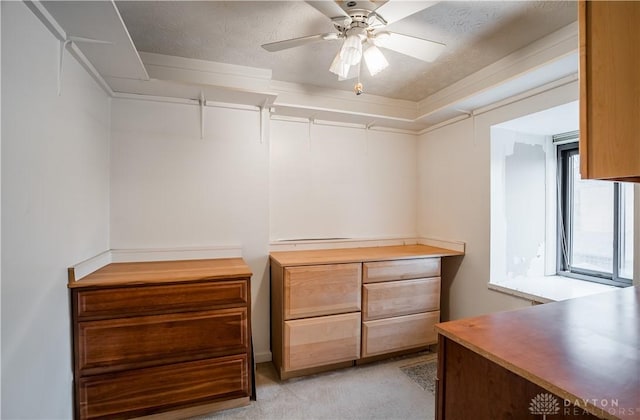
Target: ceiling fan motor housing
{"type": "Point", "coordinates": [359, 18]}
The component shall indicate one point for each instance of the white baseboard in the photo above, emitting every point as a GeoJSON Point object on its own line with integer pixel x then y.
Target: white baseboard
{"type": "Point", "coordinates": [301, 245]}
{"type": "Point", "coordinates": [169, 254]}
{"type": "Point", "coordinates": [86, 267]}
{"type": "Point", "coordinates": [90, 265]}
{"type": "Point", "coordinates": [443, 243]}
{"type": "Point", "coordinates": [262, 357]}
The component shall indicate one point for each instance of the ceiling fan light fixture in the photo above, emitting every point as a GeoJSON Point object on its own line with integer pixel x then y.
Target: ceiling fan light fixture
{"type": "Point", "coordinates": [339, 67]}
{"type": "Point", "coordinates": [351, 51]}
{"type": "Point", "coordinates": [375, 60]}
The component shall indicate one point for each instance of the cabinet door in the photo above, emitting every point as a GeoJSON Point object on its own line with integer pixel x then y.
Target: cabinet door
{"type": "Point", "coordinates": [128, 343]}
{"type": "Point", "coordinates": [402, 297]}
{"type": "Point", "coordinates": [321, 290]}
{"type": "Point", "coordinates": [609, 90]}
{"type": "Point", "coordinates": [321, 341]}
{"type": "Point", "coordinates": [401, 269]}
{"type": "Point", "coordinates": [399, 333]}
{"type": "Point", "coordinates": [145, 391]}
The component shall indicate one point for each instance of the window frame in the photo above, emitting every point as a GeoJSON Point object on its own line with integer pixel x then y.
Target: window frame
{"type": "Point", "coordinates": [564, 224]}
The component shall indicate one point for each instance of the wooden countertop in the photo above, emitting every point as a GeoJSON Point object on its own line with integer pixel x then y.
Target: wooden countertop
{"type": "Point", "coordinates": [347, 255]}
{"type": "Point", "coordinates": [122, 274]}
{"type": "Point", "coordinates": [585, 349]}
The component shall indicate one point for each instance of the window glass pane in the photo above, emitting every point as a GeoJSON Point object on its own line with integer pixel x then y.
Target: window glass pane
{"type": "Point", "coordinates": [592, 222]}
{"type": "Point", "coordinates": [626, 230]}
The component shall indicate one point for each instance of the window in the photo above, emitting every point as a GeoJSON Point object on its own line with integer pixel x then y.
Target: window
{"type": "Point", "coordinates": [595, 223]}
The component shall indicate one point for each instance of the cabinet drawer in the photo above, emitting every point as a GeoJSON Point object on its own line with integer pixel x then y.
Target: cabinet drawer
{"type": "Point", "coordinates": [321, 341]}
{"type": "Point", "coordinates": [399, 333]}
{"type": "Point", "coordinates": [145, 391]}
{"type": "Point", "coordinates": [401, 269]}
{"type": "Point", "coordinates": [404, 297]}
{"type": "Point", "coordinates": [321, 290]}
{"type": "Point", "coordinates": [119, 344]}
{"type": "Point", "coordinates": [144, 300]}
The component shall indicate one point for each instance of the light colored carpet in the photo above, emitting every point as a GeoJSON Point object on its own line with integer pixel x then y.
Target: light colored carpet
{"type": "Point", "coordinates": [374, 391]}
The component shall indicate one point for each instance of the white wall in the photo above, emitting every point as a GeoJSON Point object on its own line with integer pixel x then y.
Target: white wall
{"type": "Point", "coordinates": [454, 200]}
{"type": "Point", "coordinates": [518, 204]}
{"type": "Point", "coordinates": [341, 182]}
{"type": "Point", "coordinates": [171, 189]}
{"type": "Point", "coordinates": [55, 210]}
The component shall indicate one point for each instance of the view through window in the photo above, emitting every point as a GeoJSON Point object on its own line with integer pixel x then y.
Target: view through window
{"type": "Point", "coordinates": [595, 232]}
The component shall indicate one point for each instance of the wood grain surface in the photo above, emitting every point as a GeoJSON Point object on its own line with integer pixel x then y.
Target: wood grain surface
{"type": "Point", "coordinates": [609, 90]}
{"type": "Point", "coordinates": [348, 255]}
{"type": "Point", "coordinates": [399, 333]}
{"type": "Point", "coordinates": [474, 387]}
{"type": "Point", "coordinates": [131, 343]}
{"type": "Point", "coordinates": [321, 340]}
{"type": "Point", "coordinates": [118, 274]}
{"type": "Point", "coordinates": [148, 391]}
{"type": "Point", "coordinates": [585, 349]}
{"type": "Point", "coordinates": [402, 297]}
{"type": "Point", "coordinates": [402, 269]}
{"type": "Point", "coordinates": [322, 290]}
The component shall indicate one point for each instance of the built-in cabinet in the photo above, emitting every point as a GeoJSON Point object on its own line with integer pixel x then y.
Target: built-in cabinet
{"type": "Point", "coordinates": [574, 359]}
{"type": "Point", "coordinates": [333, 307]}
{"type": "Point", "coordinates": [158, 337]}
{"type": "Point", "coordinates": [609, 90]}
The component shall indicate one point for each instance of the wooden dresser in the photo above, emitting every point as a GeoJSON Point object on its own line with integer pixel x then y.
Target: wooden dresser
{"type": "Point", "coordinates": [332, 307]}
{"type": "Point", "coordinates": [574, 359]}
{"type": "Point", "coordinates": [152, 337]}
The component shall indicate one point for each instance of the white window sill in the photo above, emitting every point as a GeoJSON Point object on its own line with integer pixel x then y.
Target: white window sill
{"type": "Point", "coordinates": [548, 288]}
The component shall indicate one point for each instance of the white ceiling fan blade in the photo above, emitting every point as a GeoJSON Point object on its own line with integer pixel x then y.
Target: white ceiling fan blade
{"type": "Point", "coordinates": [419, 48]}
{"type": "Point", "coordinates": [394, 10]}
{"type": "Point", "coordinates": [296, 42]}
{"type": "Point", "coordinates": [329, 8]}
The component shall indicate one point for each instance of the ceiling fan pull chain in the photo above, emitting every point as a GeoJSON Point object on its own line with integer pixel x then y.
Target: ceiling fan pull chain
{"type": "Point", "coordinates": [358, 88]}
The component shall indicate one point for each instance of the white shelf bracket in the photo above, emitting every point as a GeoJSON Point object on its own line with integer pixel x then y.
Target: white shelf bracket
{"type": "Point", "coordinates": [265, 111]}
{"type": "Point", "coordinates": [202, 102]}
{"type": "Point", "coordinates": [63, 46]}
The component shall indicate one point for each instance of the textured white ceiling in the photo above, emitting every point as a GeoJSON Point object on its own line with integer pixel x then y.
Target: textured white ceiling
{"type": "Point", "coordinates": [477, 33]}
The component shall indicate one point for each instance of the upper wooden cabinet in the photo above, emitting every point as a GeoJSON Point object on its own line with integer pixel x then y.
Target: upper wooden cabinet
{"type": "Point", "coordinates": [610, 90]}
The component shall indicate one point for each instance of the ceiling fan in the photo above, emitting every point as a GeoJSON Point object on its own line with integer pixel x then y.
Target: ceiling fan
{"type": "Point", "coordinates": [359, 22]}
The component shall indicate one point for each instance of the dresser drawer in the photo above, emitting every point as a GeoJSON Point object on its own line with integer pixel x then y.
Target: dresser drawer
{"type": "Point", "coordinates": [403, 297]}
{"type": "Point", "coordinates": [131, 343]}
{"type": "Point", "coordinates": [400, 269]}
{"type": "Point", "coordinates": [321, 341]}
{"type": "Point", "coordinates": [399, 333]}
{"type": "Point", "coordinates": [143, 300]}
{"type": "Point", "coordinates": [321, 290]}
{"type": "Point", "coordinates": [146, 391]}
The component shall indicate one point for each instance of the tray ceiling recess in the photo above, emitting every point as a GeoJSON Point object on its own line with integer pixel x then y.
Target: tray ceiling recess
{"type": "Point", "coordinates": [125, 72]}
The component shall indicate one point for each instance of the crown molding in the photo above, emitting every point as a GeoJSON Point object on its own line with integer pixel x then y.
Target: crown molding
{"type": "Point", "coordinates": [542, 52]}
{"type": "Point", "coordinates": [201, 72]}
{"type": "Point", "coordinates": [314, 96]}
